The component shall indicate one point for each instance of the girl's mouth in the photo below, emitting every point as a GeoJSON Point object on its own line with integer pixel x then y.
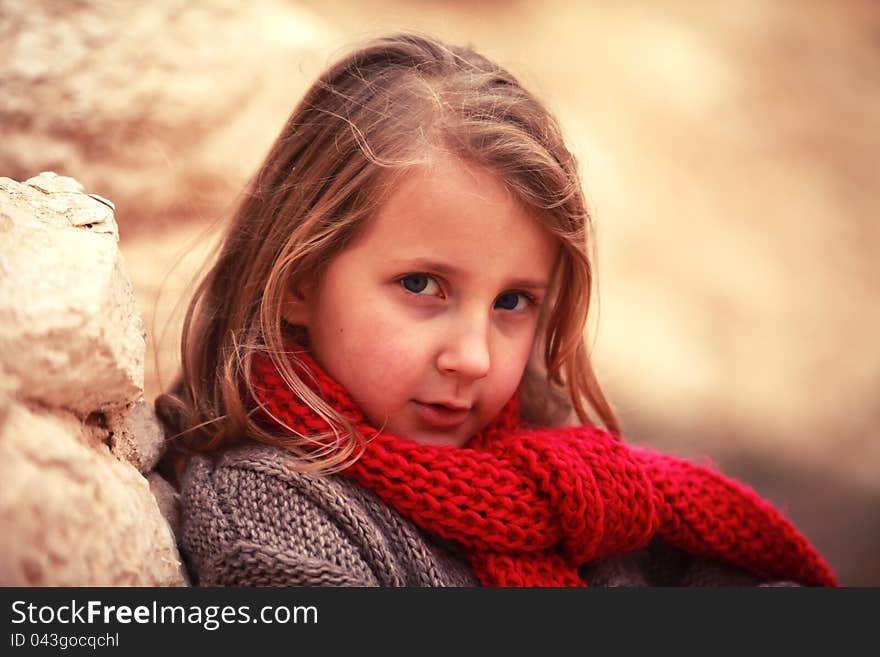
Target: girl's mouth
{"type": "Point", "coordinates": [441, 416]}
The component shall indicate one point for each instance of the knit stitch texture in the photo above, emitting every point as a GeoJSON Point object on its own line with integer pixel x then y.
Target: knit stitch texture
{"type": "Point", "coordinates": [248, 519]}
{"type": "Point", "coordinates": [532, 505]}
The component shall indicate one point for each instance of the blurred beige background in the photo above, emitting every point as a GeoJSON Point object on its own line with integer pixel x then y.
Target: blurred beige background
{"type": "Point", "coordinates": [730, 152]}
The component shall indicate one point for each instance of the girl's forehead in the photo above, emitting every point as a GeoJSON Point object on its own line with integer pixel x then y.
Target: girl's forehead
{"type": "Point", "coordinates": [444, 189]}
{"type": "Point", "coordinates": [460, 213]}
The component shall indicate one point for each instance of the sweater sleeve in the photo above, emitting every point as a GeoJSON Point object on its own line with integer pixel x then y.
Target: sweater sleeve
{"type": "Point", "coordinates": [248, 521]}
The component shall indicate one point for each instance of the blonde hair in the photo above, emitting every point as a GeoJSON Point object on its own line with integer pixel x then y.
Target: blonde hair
{"type": "Point", "coordinates": [367, 120]}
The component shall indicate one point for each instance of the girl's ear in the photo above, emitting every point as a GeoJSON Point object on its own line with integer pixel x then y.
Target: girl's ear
{"type": "Point", "coordinates": [295, 305]}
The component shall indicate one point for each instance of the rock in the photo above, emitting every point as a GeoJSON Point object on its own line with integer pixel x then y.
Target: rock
{"type": "Point", "coordinates": [71, 335]}
{"type": "Point", "coordinates": [72, 514]}
{"type": "Point", "coordinates": [137, 436]}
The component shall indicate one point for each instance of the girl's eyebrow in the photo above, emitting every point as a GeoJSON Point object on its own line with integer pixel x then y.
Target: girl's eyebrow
{"type": "Point", "coordinates": [445, 269]}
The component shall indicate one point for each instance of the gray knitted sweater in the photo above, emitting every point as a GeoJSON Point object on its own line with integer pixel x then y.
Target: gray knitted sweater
{"type": "Point", "coordinates": [247, 520]}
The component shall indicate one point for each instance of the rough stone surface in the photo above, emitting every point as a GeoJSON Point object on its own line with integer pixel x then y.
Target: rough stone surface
{"type": "Point", "coordinates": [71, 513]}
{"type": "Point", "coordinates": [71, 335]}
{"type": "Point", "coordinates": [137, 436]}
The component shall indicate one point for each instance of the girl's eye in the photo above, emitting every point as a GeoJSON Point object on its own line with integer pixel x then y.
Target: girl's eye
{"type": "Point", "coordinates": [420, 284]}
{"type": "Point", "coordinates": [516, 301]}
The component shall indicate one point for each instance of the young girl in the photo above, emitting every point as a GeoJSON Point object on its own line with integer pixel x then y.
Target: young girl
{"type": "Point", "coordinates": [378, 367]}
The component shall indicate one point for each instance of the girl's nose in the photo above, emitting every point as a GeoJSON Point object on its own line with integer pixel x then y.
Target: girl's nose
{"type": "Point", "coordinates": [466, 354]}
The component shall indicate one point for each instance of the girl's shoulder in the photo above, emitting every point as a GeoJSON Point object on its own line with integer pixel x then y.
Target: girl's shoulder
{"type": "Point", "coordinates": [260, 482]}
{"type": "Point", "coordinates": [255, 464]}
{"type": "Point", "coordinates": [317, 530]}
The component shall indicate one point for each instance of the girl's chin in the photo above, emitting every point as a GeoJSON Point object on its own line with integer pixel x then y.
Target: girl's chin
{"type": "Point", "coordinates": [436, 439]}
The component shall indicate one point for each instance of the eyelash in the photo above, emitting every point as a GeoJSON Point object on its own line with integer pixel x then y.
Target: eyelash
{"type": "Point", "coordinates": [530, 298]}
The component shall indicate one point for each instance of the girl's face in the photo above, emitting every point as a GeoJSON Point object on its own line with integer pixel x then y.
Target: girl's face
{"type": "Point", "coordinates": [428, 318]}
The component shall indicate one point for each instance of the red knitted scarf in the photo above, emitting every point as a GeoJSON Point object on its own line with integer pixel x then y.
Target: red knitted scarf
{"type": "Point", "coordinates": [531, 505]}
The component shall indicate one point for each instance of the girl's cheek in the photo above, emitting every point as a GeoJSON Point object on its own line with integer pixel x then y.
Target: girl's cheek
{"type": "Point", "coordinates": [393, 339]}
{"type": "Point", "coordinates": [512, 365]}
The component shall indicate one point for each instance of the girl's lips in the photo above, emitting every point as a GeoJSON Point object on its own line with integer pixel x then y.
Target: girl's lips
{"type": "Point", "coordinates": [439, 416]}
